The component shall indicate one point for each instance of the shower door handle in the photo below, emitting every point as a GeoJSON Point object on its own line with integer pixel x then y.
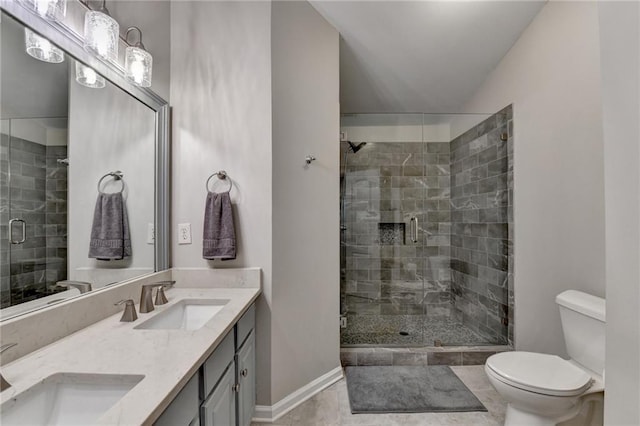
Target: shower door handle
{"type": "Point", "coordinates": [413, 229]}
{"type": "Point", "coordinates": [24, 231]}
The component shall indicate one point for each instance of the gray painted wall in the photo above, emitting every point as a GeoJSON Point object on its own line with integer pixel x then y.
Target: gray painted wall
{"type": "Point", "coordinates": [304, 57]}
{"type": "Point", "coordinates": [620, 50]}
{"type": "Point", "coordinates": [552, 78]}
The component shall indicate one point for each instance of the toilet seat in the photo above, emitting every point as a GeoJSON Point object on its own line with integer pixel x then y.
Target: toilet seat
{"type": "Point", "coordinates": [540, 373]}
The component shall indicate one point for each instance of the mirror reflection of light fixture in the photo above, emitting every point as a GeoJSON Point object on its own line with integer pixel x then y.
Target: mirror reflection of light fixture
{"type": "Point", "coordinates": [53, 10]}
{"type": "Point", "coordinates": [101, 33]}
{"type": "Point", "coordinates": [42, 49]}
{"type": "Point", "coordinates": [88, 77]}
{"type": "Point", "coordinates": [138, 63]}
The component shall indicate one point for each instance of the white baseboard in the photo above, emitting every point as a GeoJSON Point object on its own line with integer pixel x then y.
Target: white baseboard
{"type": "Point", "coordinates": [271, 413]}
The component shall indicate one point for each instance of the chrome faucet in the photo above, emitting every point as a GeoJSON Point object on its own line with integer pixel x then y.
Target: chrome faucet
{"type": "Point", "coordinates": [84, 287]}
{"type": "Point", "coordinates": [129, 314]}
{"type": "Point", "coordinates": [146, 301]}
{"type": "Point", "coordinates": [3, 383]}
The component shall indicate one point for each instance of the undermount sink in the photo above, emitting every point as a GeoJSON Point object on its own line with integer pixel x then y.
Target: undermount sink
{"type": "Point", "coordinates": [67, 399]}
{"type": "Point", "coordinates": [185, 315]}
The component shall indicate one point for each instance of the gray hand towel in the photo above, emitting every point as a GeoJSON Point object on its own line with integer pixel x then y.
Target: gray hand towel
{"type": "Point", "coordinates": [110, 238]}
{"type": "Point", "coordinates": [219, 231]}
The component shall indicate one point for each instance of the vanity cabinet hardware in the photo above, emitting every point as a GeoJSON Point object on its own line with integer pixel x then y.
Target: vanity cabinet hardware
{"type": "Point", "coordinates": [129, 314]}
{"type": "Point", "coordinates": [24, 231]}
{"type": "Point", "coordinates": [244, 372]}
{"type": "Point", "coordinates": [236, 388]}
{"type": "Point", "coordinates": [3, 383]}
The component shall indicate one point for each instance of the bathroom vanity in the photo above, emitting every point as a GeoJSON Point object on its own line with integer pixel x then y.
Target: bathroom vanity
{"type": "Point", "coordinates": [190, 361]}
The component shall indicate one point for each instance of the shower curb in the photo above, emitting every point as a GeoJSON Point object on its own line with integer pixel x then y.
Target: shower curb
{"type": "Point", "coordinates": [451, 355]}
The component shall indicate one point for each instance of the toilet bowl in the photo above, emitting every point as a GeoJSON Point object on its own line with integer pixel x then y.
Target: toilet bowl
{"type": "Point", "coordinates": [543, 389]}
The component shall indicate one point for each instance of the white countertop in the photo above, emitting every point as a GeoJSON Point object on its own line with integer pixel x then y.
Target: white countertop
{"type": "Point", "coordinates": [166, 358]}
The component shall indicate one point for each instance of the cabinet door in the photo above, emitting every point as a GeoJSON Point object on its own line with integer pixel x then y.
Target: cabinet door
{"type": "Point", "coordinates": [184, 408]}
{"type": "Point", "coordinates": [247, 380]}
{"type": "Point", "coordinates": [220, 408]}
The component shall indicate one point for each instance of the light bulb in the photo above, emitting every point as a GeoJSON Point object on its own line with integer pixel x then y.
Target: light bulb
{"type": "Point", "coordinates": [53, 10]}
{"type": "Point", "coordinates": [101, 35]}
{"type": "Point", "coordinates": [42, 49]}
{"type": "Point", "coordinates": [138, 64]}
{"type": "Point", "coordinates": [88, 77]}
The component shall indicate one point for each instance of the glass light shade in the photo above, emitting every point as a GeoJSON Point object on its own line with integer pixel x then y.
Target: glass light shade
{"type": "Point", "coordinates": [53, 10]}
{"type": "Point", "coordinates": [101, 35]}
{"type": "Point", "coordinates": [88, 77]}
{"type": "Point", "coordinates": [41, 48]}
{"type": "Point", "coordinates": [138, 64]}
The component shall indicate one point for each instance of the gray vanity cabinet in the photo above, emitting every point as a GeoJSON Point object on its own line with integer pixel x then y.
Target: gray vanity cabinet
{"type": "Point", "coordinates": [220, 407]}
{"type": "Point", "coordinates": [246, 359]}
{"type": "Point", "coordinates": [223, 390]}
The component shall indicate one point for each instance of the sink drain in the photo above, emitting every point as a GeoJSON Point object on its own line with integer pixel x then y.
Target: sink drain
{"type": "Point", "coordinates": [404, 333]}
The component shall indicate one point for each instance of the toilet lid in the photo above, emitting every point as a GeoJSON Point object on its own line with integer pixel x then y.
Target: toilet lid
{"type": "Point", "coordinates": [540, 373]}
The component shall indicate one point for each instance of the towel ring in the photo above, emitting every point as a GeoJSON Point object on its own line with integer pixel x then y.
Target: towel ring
{"type": "Point", "coordinates": [222, 175]}
{"type": "Point", "coordinates": [117, 175]}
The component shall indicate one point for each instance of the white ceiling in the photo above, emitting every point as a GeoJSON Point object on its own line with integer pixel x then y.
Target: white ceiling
{"type": "Point", "coordinates": [421, 56]}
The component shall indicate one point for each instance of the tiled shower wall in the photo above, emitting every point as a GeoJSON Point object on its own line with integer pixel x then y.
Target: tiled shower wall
{"type": "Point", "coordinates": [38, 195]}
{"type": "Point", "coordinates": [481, 242]}
{"type": "Point", "coordinates": [386, 185]}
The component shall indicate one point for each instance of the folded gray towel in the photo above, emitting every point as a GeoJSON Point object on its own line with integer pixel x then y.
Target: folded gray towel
{"type": "Point", "coordinates": [219, 231]}
{"type": "Point", "coordinates": [110, 238]}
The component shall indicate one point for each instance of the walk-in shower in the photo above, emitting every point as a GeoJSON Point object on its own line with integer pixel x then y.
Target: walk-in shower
{"type": "Point", "coordinates": [33, 208]}
{"type": "Point", "coordinates": [426, 242]}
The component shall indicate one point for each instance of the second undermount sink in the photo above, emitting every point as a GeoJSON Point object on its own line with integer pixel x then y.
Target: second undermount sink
{"type": "Point", "coordinates": [67, 399]}
{"type": "Point", "coordinates": [188, 314]}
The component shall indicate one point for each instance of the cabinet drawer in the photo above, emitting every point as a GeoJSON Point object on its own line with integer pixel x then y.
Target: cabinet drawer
{"type": "Point", "coordinates": [215, 365]}
{"type": "Point", "coordinates": [245, 325]}
{"type": "Point", "coordinates": [184, 407]}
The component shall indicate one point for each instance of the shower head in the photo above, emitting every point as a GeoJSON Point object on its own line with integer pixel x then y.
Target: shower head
{"type": "Point", "coordinates": [355, 148]}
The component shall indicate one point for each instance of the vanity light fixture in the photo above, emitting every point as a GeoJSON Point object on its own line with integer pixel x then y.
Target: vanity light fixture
{"type": "Point", "coordinates": [101, 33]}
{"type": "Point", "coordinates": [42, 49]}
{"type": "Point", "coordinates": [88, 77]}
{"type": "Point", "coordinates": [53, 10]}
{"type": "Point", "coordinates": [138, 63]}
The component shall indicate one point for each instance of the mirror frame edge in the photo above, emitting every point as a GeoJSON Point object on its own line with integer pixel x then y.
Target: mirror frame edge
{"type": "Point", "coordinates": [72, 44]}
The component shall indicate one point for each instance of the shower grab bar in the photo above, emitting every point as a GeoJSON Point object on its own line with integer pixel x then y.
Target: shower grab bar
{"type": "Point", "coordinates": [413, 229]}
{"type": "Point", "coordinates": [24, 231]}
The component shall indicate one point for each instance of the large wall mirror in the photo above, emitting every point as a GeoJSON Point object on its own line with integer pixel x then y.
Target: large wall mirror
{"type": "Point", "coordinates": [73, 134]}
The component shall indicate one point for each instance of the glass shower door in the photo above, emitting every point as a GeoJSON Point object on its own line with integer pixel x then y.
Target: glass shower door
{"type": "Point", "coordinates": [383, 199]}
{"type": "Point", "coordinates": [34, 208]}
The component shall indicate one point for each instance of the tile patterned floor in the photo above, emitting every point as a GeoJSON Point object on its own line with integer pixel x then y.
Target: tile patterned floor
{"type": "Point", "coordinates": [331, 408]}
{"type": "Point", "coordinates": [385, 330]}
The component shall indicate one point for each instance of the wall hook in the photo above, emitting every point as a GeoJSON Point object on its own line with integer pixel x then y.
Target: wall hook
{"type": "Point", "coordinates": [309, 158]}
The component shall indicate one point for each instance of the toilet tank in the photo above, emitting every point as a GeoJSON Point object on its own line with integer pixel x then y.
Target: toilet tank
{"type": "Point", "coordinates": [583, 324]}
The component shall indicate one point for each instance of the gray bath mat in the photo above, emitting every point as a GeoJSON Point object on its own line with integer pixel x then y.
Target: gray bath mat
{"type": "Point", "coordinates": [408, 389]}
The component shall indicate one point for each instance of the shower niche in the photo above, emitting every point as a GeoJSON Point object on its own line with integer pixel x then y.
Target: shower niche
{"type": "Point", "coordinates": [391, 233]}
{"type": "Point", "coordinates": [426, 235]}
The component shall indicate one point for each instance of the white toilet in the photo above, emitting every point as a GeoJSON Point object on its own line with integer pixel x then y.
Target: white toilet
{"type": "Point", "coordinates": [545, 389]}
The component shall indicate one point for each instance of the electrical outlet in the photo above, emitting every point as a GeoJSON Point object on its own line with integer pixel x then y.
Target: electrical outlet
{"type": "Point", "coordinates": [343, 136]}
{"type": "Point", "coordinates": [184, 233]}
{"type": "Point", "coordinates": [343, 322]}
{"type": "Point", "coordinates": [151, 234]}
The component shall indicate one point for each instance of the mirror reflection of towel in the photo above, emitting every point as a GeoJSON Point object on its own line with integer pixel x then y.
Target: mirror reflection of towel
{"type": "Point", "coordinates": [110, 238]}
{"type": "Point", "coordinates": [219, 230]}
